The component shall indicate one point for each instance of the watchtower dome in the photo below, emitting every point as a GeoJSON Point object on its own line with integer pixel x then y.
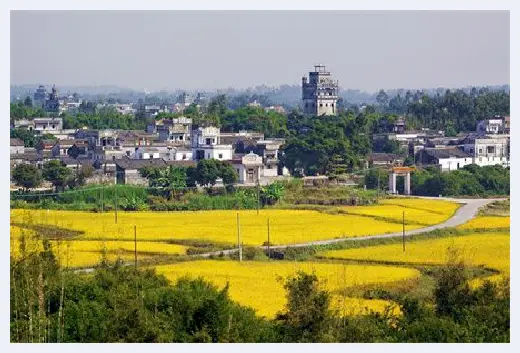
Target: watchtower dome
{"type": "Point", "coordinates": [320, 92]}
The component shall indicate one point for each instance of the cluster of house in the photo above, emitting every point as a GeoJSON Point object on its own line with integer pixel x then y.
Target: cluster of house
{"type": "Point", "coordinates": [118, 155]}
{"type": "Point", "coordinates": [488, 145]}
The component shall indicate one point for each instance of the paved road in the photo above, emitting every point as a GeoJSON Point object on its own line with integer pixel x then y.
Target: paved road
{"type": "Point", "coordinates": [467, 211]}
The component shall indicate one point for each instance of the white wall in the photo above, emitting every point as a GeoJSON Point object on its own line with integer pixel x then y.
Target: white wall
{"type": "Point", "coordinates": [484, 161]}
{"type": "Point", "coordinates": [188, 155]}
{"type": "Point", "coordinates": [222, 154]}
{"type": "Point", "coordinates": [270, 172]}
{"type": "Point", "coordinates": [449, 164]}
{"type": "Point", "coordinates": [17, 149]}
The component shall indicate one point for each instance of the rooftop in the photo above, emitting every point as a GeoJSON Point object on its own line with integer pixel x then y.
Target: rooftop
{"type": "Point", "coordinates": [446, 153]}
{"type": "Point", "coordinates": [16, 142]}
{"type": "Point", "coordinates": [127, 163]}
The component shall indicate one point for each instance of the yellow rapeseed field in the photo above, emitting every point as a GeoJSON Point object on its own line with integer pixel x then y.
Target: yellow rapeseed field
{"type": "Point", "coordinates": [441, 207]}
{"type": "Point", "coordinates": [486, 222]}
{"type": "Point", "coordinates": [82, 253]}
{"type": "Point", "coordinates": [394, 212]}
{"type": "Point", "coordinates": [483, 249]}
{"type": "Point", "coordinates": [287, 226]}
{"type": "Point", "coordinates": [260, 284]}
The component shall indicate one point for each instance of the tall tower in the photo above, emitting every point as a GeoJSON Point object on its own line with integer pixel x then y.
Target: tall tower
{"type": "Point", "coordinates": [320, 93]}
{"type": "Point", "coordinates": [40, 96]}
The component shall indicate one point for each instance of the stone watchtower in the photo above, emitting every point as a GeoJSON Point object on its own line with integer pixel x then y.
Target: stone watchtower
{"type": "Point", "coordinates": [320, 93]}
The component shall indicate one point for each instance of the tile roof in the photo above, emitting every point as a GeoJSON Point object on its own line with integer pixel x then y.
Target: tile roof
{"type": "Point", "coordinates": [446, 153]}
{"type": "Point", "coordinates": [16, 142]}
{"type": "Point", "coordinates": [127, 163]}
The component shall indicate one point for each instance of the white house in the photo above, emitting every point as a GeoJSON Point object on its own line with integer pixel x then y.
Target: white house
{"type": "Point", "coordinates": [495, 125]}
{"type": "Point", "coordinates": [175, 130]}
{"type": "Point", "coordinates": [447, 159]}
{"type": "Point", "coordinates": [249, 168]}
{"type": "Point", "coordinates": [181, 154]}
{"type": "Point", "coordinates": [44, 125]}
{"type": "Point", "coordinates": [488, 150]}
{"type": "Point", "coordinates": [17, 147]}
{"type": "Point", "coordinates": [205, 144]}
{"type": "Point", "coordinates": [146, 152]}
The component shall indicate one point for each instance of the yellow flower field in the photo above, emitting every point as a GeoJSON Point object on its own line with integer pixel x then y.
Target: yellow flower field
{"type": "Point", "coordinates": [486, 249]}
{"type": "Point", "coordinates": [489, 222]}
{"type": "Point", "coordinates": [417, 216]}
{"type": "Point", "coordinates": [441, 207]}
{"type": "Point", "coordinates": [260, 284]}
{"type": "Point", "coordinates": [82, 253]}
{"type": "Point", "coordinates": [287, 226]}
{"type": "Point", "coordinates": [346, 306]}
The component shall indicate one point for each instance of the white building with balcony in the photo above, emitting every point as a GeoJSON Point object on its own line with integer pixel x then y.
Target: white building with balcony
{"type": "Point", "coordinates": [205, 144]}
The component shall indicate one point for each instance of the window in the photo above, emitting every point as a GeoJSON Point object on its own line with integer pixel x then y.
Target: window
{"type": "Point", "coordinates": [479, 150]}
{"type": "Point", "coordinates": [53, 126]}
{"type": "Point", "coordinates": [220, 156]}
{"type": "Point", "coordinates": [208, 157]}
{"type": "Point", "coordinates": [208, 141]}
{"type": "Point", "coordinates": [180, 138]}
{"type": "Point", "coordinates": [326, 104]}
{"type": "Point", "coordinates": [183, 156]}
{"type": "Point", "coordinates": [321, 104]}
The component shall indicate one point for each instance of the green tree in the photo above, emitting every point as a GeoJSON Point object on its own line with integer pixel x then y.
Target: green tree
{"type": "Point", "coordinates": [27, 176]}
{"type": "Point", "coordinates": [307, 317]}
{"type": "Point", "coordinates": [28, 102]}
{"type": "Point", "coordinates": [207, 172]}
{"type": "Point", "coordinates": [271, 193]}
{"type": "Point", "coordinates": [452, 293]}
{"type": "Point", "coordinates": [57, 173]}
{"type": "Point", "coordinates": [228, 174]}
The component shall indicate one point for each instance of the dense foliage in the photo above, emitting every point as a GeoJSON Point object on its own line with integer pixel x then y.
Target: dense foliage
{"type": "Point", "coordinates": [471, 180]}
{"type": "Point", "coordinates": [28, 137]}
{"type": "Point", "coordinates": [24, 109]}
{"type": "Point", "coordinates": [312, 142]}
{"type": "Point", "coordinates": [27, 176]}
{"type": "Point", "coordinates": [122, 304]}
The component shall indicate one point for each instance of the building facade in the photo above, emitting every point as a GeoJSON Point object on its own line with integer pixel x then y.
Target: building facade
{"type": "Point", "coordinates": [206, 144]}
{"type": "Point", "coordinates": [319, 92]}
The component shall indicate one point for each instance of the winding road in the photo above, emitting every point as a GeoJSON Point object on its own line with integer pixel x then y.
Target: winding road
{"type": "Point", "coordinates": [467, 211]}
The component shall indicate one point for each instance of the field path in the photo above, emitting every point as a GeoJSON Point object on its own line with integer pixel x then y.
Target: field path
{"type": "Point", "coordinates": [467, 211]}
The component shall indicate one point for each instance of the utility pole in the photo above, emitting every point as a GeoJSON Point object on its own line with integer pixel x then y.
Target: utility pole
{"type": "Point", "coordinates": [403, 234]}
{"type": "Point", "coordinates": [268, 240]}
{"type": "Point", "coordinates": [135, 246]}
{"type": "Point", "coordinates": [378, 186]}
{"type": "Point", "coordinates": [102, 197]}
{"type": "Point", "coordinates": [115, 201]}
{"type": "Point", "coordinates": [258, 194]}
{"type": "Point", "coordinates": [238, 238]}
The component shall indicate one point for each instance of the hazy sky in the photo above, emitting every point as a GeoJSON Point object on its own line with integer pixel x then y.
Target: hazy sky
{"type": "Point", "coordinates": [205, 50]}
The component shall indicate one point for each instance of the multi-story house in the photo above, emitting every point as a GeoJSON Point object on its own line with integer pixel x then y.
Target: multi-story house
{"type": "Point", "coordinates": [205, 144]}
